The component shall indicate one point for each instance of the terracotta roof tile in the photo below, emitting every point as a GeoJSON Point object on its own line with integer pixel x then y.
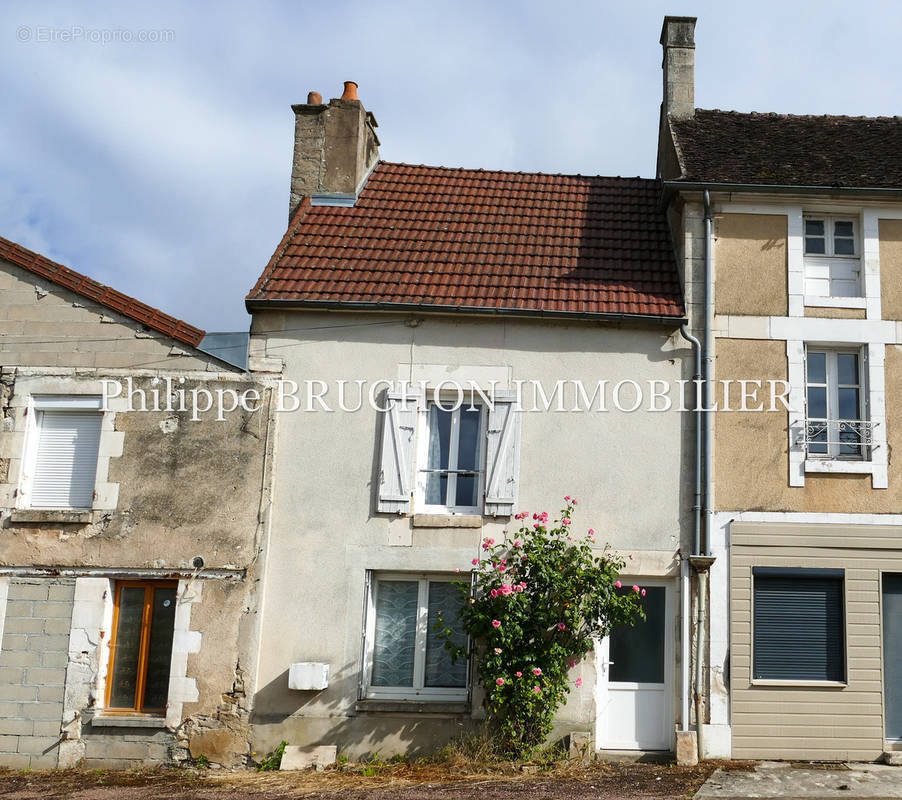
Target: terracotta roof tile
{"type": "Point", "coordinates": [788, 150]}
{"type": "Point", "coordinates": [472, 239]}
{"type": "Point", "coordinates": [116, 301]}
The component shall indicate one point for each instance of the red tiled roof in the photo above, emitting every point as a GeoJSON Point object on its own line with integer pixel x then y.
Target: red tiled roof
{"type": "Point", "coordinates": [116, 301]}
{"type": "Point", "coordinates": [470, 240]}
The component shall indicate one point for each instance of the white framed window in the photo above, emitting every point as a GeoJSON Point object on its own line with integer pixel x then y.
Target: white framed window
{"type": "Point", "coordinates": [832, 253]}
{"type": "Point", "coordinates": [837, 425]}
{"type": "Point", "coordinates": [61, 452]}
{"type": "Point", "coordinates": [404, 657]}
{"type": "Point", "coordinates": [451, 459]}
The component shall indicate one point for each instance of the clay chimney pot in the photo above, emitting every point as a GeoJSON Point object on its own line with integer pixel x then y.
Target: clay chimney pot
{"type": "Point", "coordinates": [314, 99]}
{"type": "Point", "coordinates": [350, 92]}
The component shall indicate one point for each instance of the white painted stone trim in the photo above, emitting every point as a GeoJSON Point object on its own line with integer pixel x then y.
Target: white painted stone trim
{"type": "Point", "coordinates": [4, 595]}
{"type": "Point", "coordinates": [795, 356]}
{"type": "Point", "coordinates": [183, 689]}
{"type": "Point", "coordinates": [795, 260]}
{"type": "Point", "coordinates": [870, 262]}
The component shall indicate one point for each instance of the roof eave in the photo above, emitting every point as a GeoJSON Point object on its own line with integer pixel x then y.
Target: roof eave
{"type": "Point", "coordinates": [262, 304]}
{"type": "Point", "coordinates": [770, 188]}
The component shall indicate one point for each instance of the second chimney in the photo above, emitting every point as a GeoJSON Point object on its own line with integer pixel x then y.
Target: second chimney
{"type": "Point", "coordinates": [678, 41]}
{"type": "Point", "coordinates": [335, 147]}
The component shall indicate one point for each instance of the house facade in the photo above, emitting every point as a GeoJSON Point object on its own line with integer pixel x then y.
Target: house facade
{"type": "Point", "coordinates": [131, 524]}
{"type": "Point", "coordinates": [788, 229]}
{"type": "Point", "coordinates": [393, 286]}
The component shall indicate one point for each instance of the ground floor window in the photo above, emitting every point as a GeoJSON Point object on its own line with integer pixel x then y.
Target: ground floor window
{"type": "Point", "coordinates": [141, 646]}
{"type": "Point", "coordinates": [798, 624]}
{"type": "Point", "coordinates": [404, 657]}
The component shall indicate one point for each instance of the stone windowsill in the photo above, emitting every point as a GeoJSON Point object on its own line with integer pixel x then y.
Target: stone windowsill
{"type": "Point", "coordinates": [447, 521]}
{"type": "Point", "coordinates": [60, 515]}
{"type": "Point", "coordinates": [413, 707]}
{"type": "Point", "coordinates": [128, 721]}
{"type": "Point", "coordinates": [837, 465]}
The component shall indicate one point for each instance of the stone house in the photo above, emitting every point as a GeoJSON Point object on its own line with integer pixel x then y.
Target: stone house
{"type": "Point", "coordinates": [130, 527]}
{"type": "Point", "coordinates": [788, 230]}
{"type": "Point", "coordinates": [395, 283]}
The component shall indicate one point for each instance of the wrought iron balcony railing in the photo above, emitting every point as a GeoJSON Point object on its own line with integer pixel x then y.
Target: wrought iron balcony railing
{"type": "Point", "coordinates": [837, 438]}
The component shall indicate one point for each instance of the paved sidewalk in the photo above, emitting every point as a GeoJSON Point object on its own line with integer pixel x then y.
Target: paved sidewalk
{"type": "Point", "coordinates": [772, 779]}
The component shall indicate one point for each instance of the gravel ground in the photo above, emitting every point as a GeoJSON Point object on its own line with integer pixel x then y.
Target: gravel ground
{"type": "Point", "coordinates": [600, 779]}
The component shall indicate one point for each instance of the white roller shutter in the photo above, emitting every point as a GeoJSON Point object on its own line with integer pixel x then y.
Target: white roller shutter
{"type": "Point", "coordinates": [65, 464]}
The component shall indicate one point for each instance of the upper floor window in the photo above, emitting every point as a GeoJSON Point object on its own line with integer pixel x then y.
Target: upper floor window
{"type": "Point", "coordinates": [836, 425]}
{"type": "Point", "coordinates": [444, 460]}
{"type": "Point", "coordinates": [61, 454]}
{"type": "Point", "coordinates": [451, 471]}
{"type": "Point", "coordinates": [832, 256]}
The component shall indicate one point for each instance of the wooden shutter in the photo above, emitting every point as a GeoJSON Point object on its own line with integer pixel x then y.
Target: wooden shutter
{"type": "Point", "coordinates": [798, 624]}
{"type": "Point", "coordinates": [399, 424]}
{"type": "Point", "coordinates": [65, 466]}
{"type": "Point", "coordinates": [502, 463]}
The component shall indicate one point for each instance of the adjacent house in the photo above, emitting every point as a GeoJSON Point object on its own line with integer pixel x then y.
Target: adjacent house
{"type": "Point", "coordinates": [131, 524]}
{"type": "Point", "coordinates": [393, 285]}
{"type": "Point", "coordinates": [789, 235]}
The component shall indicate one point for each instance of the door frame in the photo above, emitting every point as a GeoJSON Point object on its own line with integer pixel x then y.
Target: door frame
{"type": "Point", "coordinates": [602, 658]}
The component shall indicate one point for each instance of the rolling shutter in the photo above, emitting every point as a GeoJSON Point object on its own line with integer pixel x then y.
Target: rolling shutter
{"type": "Point", "coordinates": [502, 455]}
{"type": "Point", "coordinates": [65, 464]}
{"type": "Point", "coordinates": [798, 625]}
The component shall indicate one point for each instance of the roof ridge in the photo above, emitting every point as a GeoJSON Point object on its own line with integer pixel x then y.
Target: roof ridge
{"type": "Point", "coordinates": [100, 293]}
{"type": "Point", "coordinates": [480, 170]}
{"type": "Point", "coordinates": [781, 115]}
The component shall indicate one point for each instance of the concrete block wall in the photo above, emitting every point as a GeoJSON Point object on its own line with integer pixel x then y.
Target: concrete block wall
{"type": "Point", "coordinates": [33, 659]}
{"type": "Point", "coordinates": [124, 748]}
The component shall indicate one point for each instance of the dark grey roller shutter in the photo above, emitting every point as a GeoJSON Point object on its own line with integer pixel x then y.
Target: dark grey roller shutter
{"type": "Point", "coordinates": [798, 625]}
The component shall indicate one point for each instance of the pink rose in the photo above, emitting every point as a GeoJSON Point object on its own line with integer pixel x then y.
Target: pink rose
{"type": "Point", "coordinates": [523, 558]}
{"type": "Point", "coordinates": [491, 541]}
{"type": "Point", "coordinates": [635, 588]}
{"type": "Point", "coordinates": [485, 545]}
{"type": "Point", "coordinates": [591, 531]}
{"type": "Point", "coordinates": [501, 569]}
{"type": "Point", "coordinates": [457, 569]}
{"type": "Point", "coordinates": [496, 623]}
{"type": "Point", "coordinates": [537, 525]}
{"type": "Point", "coordinates": [475, 561]}
{"type": "Point", "coordinates": [517, 543]}
{"type": "Point", "coordinates": [572, 664]}
{"type": "Point", "coordinates": [565, 521]}
{"type": "Point", "coordinates": [575, 501]}
{"type": "Point", "coordinates": [519, 674]}
{"type": "Point", "coordinates": [500, 681]}
{"type": "Point", "coordinates": [618, 584]}
{"type": "Point", "coordinates": [536, 671]}
{"type": "Point", "coordinates": [561, 626]}
{"type": "Point", "coordinates": [497, 651]}
{"type": "Point", "coordinates": [643, 592]}
{"type": "Point", "coordinates": [567, 497]}
{"type": "Point", "coordinates": [494, 592]}
{"type": "Point", "coordinates": [536, 690]}
{"type": "Point", "coordinates": [578, 682]}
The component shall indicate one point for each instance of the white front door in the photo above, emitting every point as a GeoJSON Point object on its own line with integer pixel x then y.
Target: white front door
{"type": "Point", "coordinates": [635, 696]}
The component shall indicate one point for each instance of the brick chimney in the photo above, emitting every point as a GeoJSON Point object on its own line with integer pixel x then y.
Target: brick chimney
{"type": "Point", "coordinates": [678, 41]}
{"type": "Point", "coordinates": [335, 148]}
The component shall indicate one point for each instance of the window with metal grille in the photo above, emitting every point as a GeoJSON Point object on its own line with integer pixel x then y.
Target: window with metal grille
{"type": "Point", "coordinates": [798, 624]}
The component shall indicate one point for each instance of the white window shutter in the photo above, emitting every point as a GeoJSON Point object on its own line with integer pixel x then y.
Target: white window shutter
{"type": "Point", "coordinates": [502, 478]}
{"type": "Point", "coordinates": [399, 425]}
{"type": "Point", "coordinates": [65, 465]}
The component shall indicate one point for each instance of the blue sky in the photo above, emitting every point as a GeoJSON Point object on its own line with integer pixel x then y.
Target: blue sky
{"type": "Point", "coordinates": [162, 168]}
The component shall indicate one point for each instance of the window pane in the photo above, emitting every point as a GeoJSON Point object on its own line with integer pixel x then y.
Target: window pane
{"type": "Point", "coordinates": [124, 681]}
{"type": "Point", "coordinates": [814, 227]}
{"type": "Point", "coordinates": [847, 367]}
{"type": "Point", "coordinates": [156, 688]}
{"type": "Point", "coordinates": [437, 457]}
{"type": "Point", "coordinates": [395, 637]}
{"type": "Point", "coordinates": [637, 652]}
{"type": "Point", "coordinates": [814, 247]}
{"type": "Point", "coordinates": [844, 247]}
{"type": "Point", "coordinates": [843, 227]}
{"type": "Point", "coordinates": [817, 403]}
{"type": "Point", "coordinates": [848, 404]}
{"type": "Point", "coordinates": [815, 240]}
{"type": "Point", "coordinates": [798, 628]}
{"type": "Point", "coordinates": [467, 457]}
{"type": "Point", "coordinates": [444, 601]}
{"type": "Point", "coordinates": [817, 367]}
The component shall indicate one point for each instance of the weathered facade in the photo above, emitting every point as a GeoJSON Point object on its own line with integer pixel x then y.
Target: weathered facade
{"type": "Point", "coordinates": [129, 537]}
{"type": "Point", "coordinates": [489, 280]}
{"type": "Point", "coordinates": [802, 247]}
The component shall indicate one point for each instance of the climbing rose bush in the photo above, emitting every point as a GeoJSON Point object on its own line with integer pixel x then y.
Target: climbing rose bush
{"type": "Point", "coordinates": [537, 602]}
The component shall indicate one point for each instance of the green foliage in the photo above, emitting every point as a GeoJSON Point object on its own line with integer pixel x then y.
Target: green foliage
{"type": "Point", "coordinates": [274, 760]}
{"type": "Point", "coordinates": [202, 761]}
{"type": "Point", "coordinates": [538, 602]}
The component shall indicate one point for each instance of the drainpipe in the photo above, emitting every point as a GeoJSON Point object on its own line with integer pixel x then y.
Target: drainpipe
{"type": "Point", "coordinates": [702, 560]}
{"type": "Point", "coordinates": [685, 644]}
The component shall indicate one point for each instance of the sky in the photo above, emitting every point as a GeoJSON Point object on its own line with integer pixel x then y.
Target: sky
{"type": "Point", "coordinates": [148, 145]}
